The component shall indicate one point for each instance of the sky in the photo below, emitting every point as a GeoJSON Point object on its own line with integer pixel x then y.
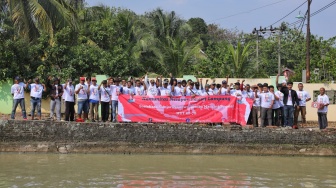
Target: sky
{"type": "Point", "coordinates": [243, 15]}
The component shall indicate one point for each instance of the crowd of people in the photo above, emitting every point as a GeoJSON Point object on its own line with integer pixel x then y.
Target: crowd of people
{"type": "Point", "coordinates": [279, 107]}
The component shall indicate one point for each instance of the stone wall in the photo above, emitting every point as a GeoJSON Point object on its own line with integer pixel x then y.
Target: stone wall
{"type": "Point", "coordinates": [64, 137]}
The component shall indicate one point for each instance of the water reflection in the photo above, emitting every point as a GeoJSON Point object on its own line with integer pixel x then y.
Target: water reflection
{"type": "Point", "coordinates": [48, 170]}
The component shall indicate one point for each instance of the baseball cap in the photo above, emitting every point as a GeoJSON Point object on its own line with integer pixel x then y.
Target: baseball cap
{"type": "Point", "coordinates": [17, 78]}
{"type": "Point", "coordinates": [179, 81]}
{"type": "Point", "coordinates": [224, 82]}
{"type": "Point", "coordinates": [165, 82]}
{"type": "Point", "coordinates": [93, 79]}
{"type": "Point", "coordinates": [284, 82]}
{"type": "Point", "coordinates": [82, 78]}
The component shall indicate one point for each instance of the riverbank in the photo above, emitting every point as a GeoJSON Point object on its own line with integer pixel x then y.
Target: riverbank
{"type": "Point", "coordinates": [65, 137]}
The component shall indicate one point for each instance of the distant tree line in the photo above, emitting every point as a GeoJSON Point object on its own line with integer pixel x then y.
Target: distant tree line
{"type": "Point", "coordinates": [69, 39]}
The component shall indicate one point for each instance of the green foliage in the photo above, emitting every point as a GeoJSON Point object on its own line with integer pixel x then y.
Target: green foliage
{"type": "Point", "coordinates": [70, 40]}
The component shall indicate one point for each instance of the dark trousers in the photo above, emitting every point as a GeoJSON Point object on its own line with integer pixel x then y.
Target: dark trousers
{"type": "Point", "coordinates": [69, 111]}
{"type": "Point", "coordinates": [105, 110]}
{"type": "Point", "coordinates": [322, 119]}
{"type": "Point", "coordinates": [266, 114]}
{"type": "Point", "coordinates": [281, 117]}
{"type": "Point", "coordinates": [276, 116]}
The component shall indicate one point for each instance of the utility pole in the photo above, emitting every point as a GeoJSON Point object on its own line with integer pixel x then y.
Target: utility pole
{"type": "Point", "coordinates": [257, 53]}
{"type": "Point", "coordinates": [308, 44]}
{"type": "Point", "coordinates": [271, 30]}
{"type": "Point", "coordinates": [279, 54]}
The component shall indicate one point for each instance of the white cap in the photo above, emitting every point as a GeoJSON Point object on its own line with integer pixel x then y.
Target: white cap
{"type": "Point", "coordinates": [284, 82]}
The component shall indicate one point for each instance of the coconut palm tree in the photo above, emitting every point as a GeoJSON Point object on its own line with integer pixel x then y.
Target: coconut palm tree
{"type": "Point", "coordinates": [239, 58]}
{"type": "Point", "coordinates": [33, 17]}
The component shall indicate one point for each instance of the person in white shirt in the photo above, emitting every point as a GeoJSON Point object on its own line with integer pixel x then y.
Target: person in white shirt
{"type": "Point", "coordinates": [129, 89]}
{"type": "Point", "coordinates": [140, 88]}
{"type": "Point", "coordinates": [206, 90]}
{"type": "Point", "coordinates": [256, 107]}
{"type": "Point", "coordinates": [69, 98]}
{"type": "Point", "coordinates": [105, 100]}
{"type": "Point", "coordinates": [276, 107]}
{"type": "Point", "coordinates": [236, 91]}
{"type": "Point", "coordinates": [281, 96]}
{"type": "Point", "coordinates": [224, 90]}
{"type": "Point", "coordinates": [36, 91]}
{"type": "Point", "coordinates": [303, 97]}
{"type": "Point", "coordinates": [190, 90]}
{"type": "Point", "coordinates": [199, 87]}
{"type": "Point", "coordinates": [247, 93]}
{"type": "Point", "coordinates": [17, 91]}
{"type": "Point", "coordinates": [82, 97]}
{"type": "Point", "coordinates": [213, 89]}
{"type": "Point", "coordinates": [267, 100]}
{"type": "Point", "coordinates": [151, 86]}
{"type": "Point", "coordinates": [322, 111]}
{"type": "Point", "coordinates": [178, 90]}
{"type": "Point", "coordinates": [94, 100]}
{"type": "Point", "coordinates": [164, 90]}
{"type": "Point", "coordinates": [115, 90]}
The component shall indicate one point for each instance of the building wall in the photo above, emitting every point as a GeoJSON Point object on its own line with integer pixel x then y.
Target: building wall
{"type": "Point", "coordinates": [6, 100]}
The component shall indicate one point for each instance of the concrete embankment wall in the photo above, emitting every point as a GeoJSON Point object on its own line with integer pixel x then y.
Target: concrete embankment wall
{"type": "Point", "coordinates": [64, 137]}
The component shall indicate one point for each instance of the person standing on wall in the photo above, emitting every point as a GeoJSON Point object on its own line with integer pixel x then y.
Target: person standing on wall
{"type": "Point", "coordinates": [281, 96]}
{"type": "Point", "coordinates": [115, 90]}
{"type": "Point", "coordinates": [56, 92]}
{"type": "Point", "coordinates": [105, 100]}
{"type": "Point", "coordinates": [276, 107]}
{"type": "Point", "coordinates": [291, 101]}
{"type": "Point", "coordinates": [94, 100]}
{"type": "Point", "coordinates": [17, 91]}
{"type": "Point", "coordinates": [69, 98]}
{"type": "Point", "coordinates": [81, 90]}
{"type": "Point", "coordinates": [267, 101]}
{"type": "Point", "coordinates": [256, 108]}
{"type": "Point", "coordinates": [322, 111]}
{"type": "Point", "coordinates": [36, 90]}
{"type": "Point", "coordinates": [304, 97]}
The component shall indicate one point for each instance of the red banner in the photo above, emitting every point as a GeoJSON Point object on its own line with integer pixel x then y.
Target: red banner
{"type": "Point", "coordinates": [204, 109]}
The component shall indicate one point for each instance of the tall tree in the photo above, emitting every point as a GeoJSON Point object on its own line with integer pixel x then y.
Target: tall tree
{"type": "Point", "coordinates": [33, 17]}
{"type": "Point", "coordinates": [240, 59]}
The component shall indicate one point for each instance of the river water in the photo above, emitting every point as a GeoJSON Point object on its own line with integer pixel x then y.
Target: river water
{"type": "Point", "coordinates": [99, 170]}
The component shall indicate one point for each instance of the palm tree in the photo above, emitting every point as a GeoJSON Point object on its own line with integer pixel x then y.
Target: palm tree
{"type": "Point", "coordinates": [239, 58]}
{"type": "Point", "coordinates": [33, 17]}
{"type": "Point", "coordinates": [176, 49]}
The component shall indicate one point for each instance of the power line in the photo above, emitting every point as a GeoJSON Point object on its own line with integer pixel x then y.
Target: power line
{"type": "Point", "coordinates": [290, 12]}
{"type": "Point", "coordinates": [316, 12]}
{"type": "Point", "coordinates": [248, 11]}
